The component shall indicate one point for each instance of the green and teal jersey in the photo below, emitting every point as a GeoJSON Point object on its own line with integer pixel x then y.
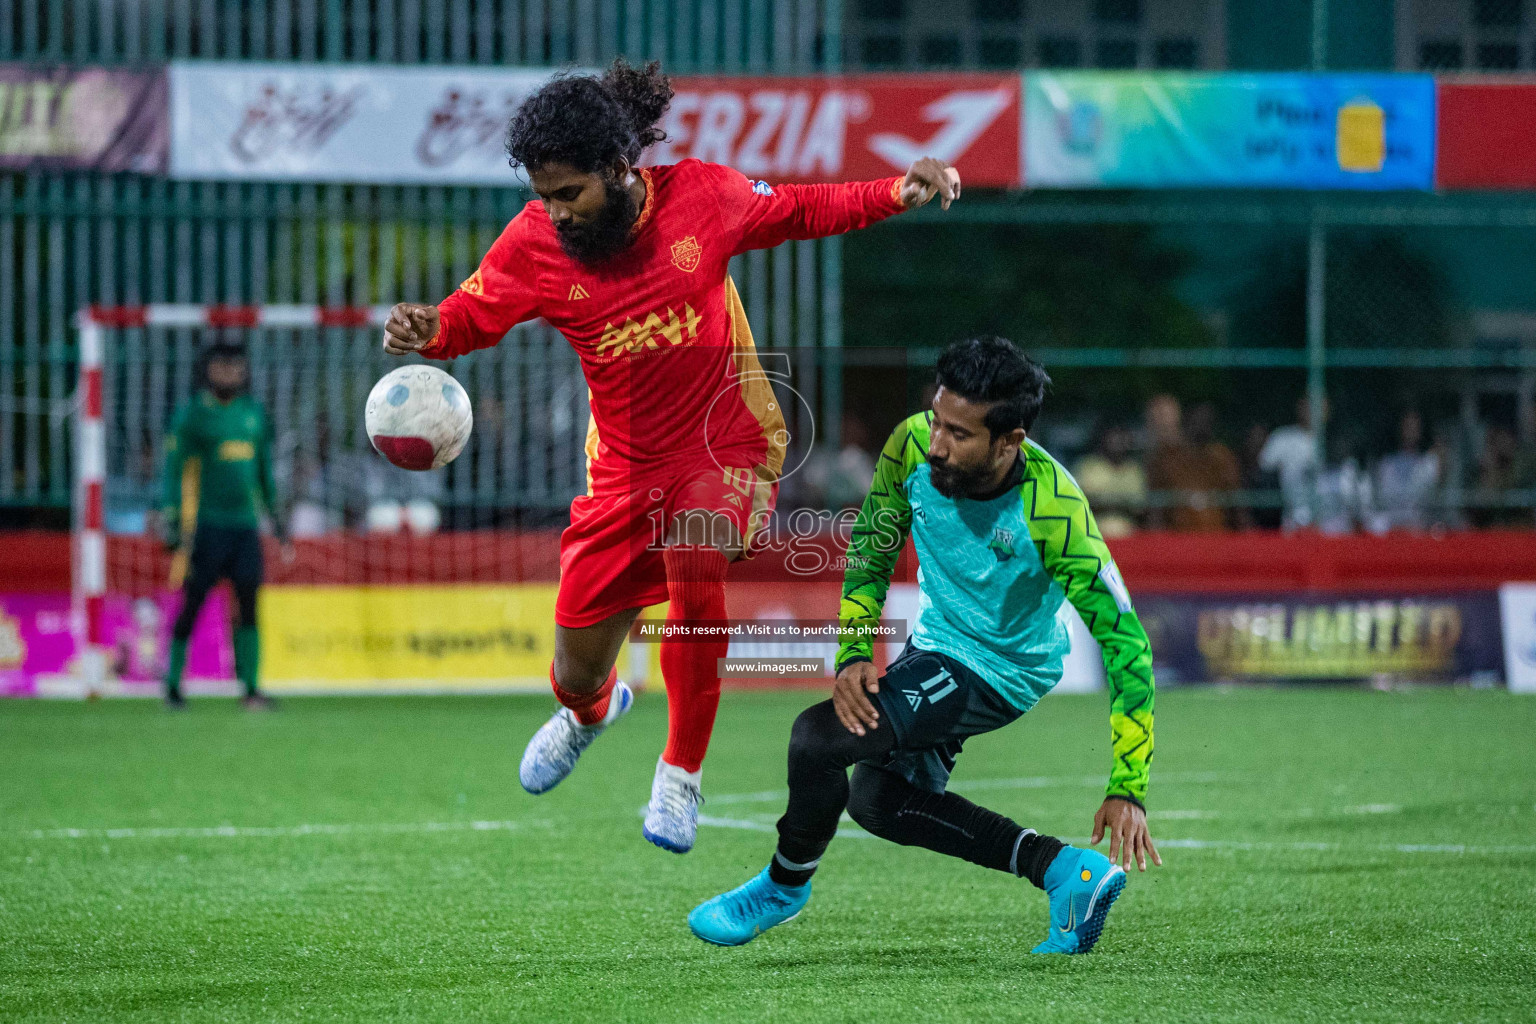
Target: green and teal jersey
{"type": "Point", "coordinates": [218, 464]}
{"type": "Point", "coordinates": [992, 576]}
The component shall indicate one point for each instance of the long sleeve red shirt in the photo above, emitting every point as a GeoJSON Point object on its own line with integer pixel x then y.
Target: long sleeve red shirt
{"type": "Point", "coordinates": [663, 340]}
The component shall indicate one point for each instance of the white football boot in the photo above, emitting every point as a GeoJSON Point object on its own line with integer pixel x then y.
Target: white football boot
{"type": "Point", "coordinates": [672, 818]}
{"type": "Point", "coordinates": [552, 753]}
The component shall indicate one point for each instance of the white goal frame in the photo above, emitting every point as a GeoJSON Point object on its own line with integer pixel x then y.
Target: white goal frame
{"type": "Point", "coordinates": [89, 547]}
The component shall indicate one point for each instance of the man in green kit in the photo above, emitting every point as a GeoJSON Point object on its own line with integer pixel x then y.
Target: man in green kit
{"type": "Point", "coordinates": [218, 479]}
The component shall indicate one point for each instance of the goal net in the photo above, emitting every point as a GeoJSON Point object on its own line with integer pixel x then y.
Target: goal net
{"type": "Point", "coordinates": [476, 543]}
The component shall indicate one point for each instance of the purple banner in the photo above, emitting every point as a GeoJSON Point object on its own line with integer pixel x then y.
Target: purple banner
{"type": "Point", "coordinates": [37, 645]}
{"type": "Point", "coordinates": [83, 118]}
{"type": "Point", "coordinates": [1269, 637]}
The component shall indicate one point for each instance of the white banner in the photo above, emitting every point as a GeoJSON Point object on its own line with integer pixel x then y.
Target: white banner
{"type": "Point", "coordinates": [1517, 607]}
{"type": "Point", "coordinates": [318, 122]}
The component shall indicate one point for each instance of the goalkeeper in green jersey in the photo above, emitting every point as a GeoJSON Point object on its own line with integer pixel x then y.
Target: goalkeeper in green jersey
{"type": "Point", "coordinates": [1003, 537]}
{"type": "Point", "coordinates": [218, 480]}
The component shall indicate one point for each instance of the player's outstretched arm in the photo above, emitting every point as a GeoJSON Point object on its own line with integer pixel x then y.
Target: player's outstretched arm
{"type": "Point", "coordinates": [1072, 550]}
{"type": "Point", "coordinates": [758, 215]}
{"type": "Point", "coordinates": [410, 328]}
{"type": "Point", "coordinates": [928, 178]}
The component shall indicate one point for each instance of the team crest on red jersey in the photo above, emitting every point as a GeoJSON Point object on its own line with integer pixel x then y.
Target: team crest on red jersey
{"type": "Point", "coordinates": [685, 254]}
{"type": "Point", "coordinates": [473, 286]}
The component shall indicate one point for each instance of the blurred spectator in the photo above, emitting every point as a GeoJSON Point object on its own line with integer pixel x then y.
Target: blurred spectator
{"type": "Point", "coordinates": [310, 516]}
{"type": "Point", "coordinates": [1341, 496]}
{"type": "Point", "coordinates": [1202, 471]}
{"type": "Point", "coordinates": [1113, 481]}
{"type": "Point", "coordinates": [838, 480]}
{"type": "Point", "coordinates": [1163, 424]}
{"type": "Point", "coordinates": [132, 497]}
{"type": "Point", "coordinates": [1291, 452]}
{"type": "Point", "coordinates": [1504, 466]}
{"type": "Point", "coordinates": [315, 511]}
{"type": "Point", "coordinates": [1256, 478]}
{"type": "Point", "coordinates": [1406, 480]}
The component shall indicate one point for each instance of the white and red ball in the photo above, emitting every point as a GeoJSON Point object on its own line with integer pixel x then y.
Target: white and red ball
{"type": "Point", "coordinates": [418, 417]}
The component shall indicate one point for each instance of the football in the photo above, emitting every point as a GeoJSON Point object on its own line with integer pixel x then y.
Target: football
{"type": "Point", "coordinates": [418, 417]}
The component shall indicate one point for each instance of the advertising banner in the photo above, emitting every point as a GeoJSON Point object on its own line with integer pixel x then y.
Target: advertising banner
{"type": "Point", "coordinates": [38, 650]}
{"type": "Point", "coordinates": [82, 119]}
{"type": "Point", "coordinates": [1517, 608]}
{"type": "Point", "coordinates": [364, 123]}
{"type": "Point", "coordinates": [1485, 136]}
{"type": "Point", "coordinates": [469, 638]}
{"type": "Point", "coordinates": [1274, 637]}
{"type": "Point", "coordinates": [448, 125]}
{"type": "Point", "coordinates": [407, 638]}
{"type": "Point", "coordinates": [1094, 129]}
{"type": "Point", "coordinates": [847, 129]}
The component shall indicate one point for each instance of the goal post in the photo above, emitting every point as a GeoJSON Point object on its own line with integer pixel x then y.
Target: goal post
{"type": "Point", "coordinates": [90, 541]}
{"type": "Point", "coordinates": [403, 581]}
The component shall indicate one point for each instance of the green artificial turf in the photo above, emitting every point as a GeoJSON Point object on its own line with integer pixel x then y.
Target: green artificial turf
{"type": "Point", "coordinates": [1329, 856]}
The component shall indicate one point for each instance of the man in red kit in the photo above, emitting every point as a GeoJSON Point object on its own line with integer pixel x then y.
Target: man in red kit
{"type": "Point", "coordinates": [686, 441]}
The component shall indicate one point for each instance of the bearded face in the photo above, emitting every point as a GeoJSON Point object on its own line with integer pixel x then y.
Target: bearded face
{"type": "Point", "coordinates": [955, 479]}
{"type": "Point", "coordinates": [600, 237]}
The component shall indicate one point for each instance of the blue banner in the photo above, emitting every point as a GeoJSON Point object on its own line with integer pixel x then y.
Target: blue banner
{"type": "Point", "coordinates": [1098, 129]}
{"type": "Point", "coordinates": [1275, 637]}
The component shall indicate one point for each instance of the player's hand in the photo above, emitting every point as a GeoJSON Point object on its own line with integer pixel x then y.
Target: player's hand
{"type": "Point", "coordinates": [1128, 836]}
{"type": "Point", "coordinates": [849, 697]}
{"type": "Point", "coordinates": [409, 327]}
{"type": "Point", "coordinates": [928, 178]}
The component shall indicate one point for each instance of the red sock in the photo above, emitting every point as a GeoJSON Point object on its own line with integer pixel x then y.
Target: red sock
{"type": "Point", "coordinates": [696, 587]}
{"type": "Point", "coordinates": [589, 708]}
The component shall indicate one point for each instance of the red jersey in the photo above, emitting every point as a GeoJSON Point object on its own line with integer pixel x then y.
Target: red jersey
{"type": "Point", "coordinates": [664, 343]}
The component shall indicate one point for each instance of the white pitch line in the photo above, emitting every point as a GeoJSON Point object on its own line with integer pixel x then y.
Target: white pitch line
{"type": "Point", "coordinates": [1064, 781]}
{"type": "Point", "coordinates": [748, 825]}
{"type": "Point", "coordinates": [1021, 782]}
{"type": "Point", "coordinates": [1234, 844]}
{"type": "Point", "coordinates": [278, 831]}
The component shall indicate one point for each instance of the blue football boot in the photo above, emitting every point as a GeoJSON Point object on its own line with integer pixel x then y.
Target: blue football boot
{"type": "Point", "coordinates": [1082, 886]}
{"type": "Point", "coordinates": [741, 915]}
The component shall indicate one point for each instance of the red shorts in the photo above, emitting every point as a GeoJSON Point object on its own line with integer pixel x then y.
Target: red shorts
{"type": "Point", "coordinates": [611, 554]}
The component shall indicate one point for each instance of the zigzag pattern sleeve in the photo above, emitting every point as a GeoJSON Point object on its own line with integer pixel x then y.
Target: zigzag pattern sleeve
{"type": "Point", "coordinates": [879, 534]}
{"type": "Point", "coordinates": [1064, 532]}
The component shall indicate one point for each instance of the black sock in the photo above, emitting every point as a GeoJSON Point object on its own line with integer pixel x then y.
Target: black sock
{"type": "Point", "coordinates": [1033, 855]}
{"type": "Point", "coordinates": [788, 872]}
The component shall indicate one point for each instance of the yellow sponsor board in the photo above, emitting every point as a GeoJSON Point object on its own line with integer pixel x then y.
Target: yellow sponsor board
{"type": "Point", "coordinates": [407, 638]}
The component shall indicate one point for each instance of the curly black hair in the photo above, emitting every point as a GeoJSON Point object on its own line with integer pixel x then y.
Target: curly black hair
{"type": "Point", "coordinates": [589, 122]}
{"type": "Point", "coordinates": [992, 369]}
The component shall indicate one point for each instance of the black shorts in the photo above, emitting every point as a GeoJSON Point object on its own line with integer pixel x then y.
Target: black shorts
{"type": "Point", "coordinates": [225, 553]}
{"type": "Point", "coordinates": [933, 702]}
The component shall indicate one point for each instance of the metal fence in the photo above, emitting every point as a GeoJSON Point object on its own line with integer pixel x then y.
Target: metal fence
{"type": "Point", "coordinates": [70, 239]}
{"type": "Point", "coordinates": [689, 35]}
{"type": "Point", "coordinates": [67, 242]}
{"type": "Point", "coordinates": [528, 393]}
